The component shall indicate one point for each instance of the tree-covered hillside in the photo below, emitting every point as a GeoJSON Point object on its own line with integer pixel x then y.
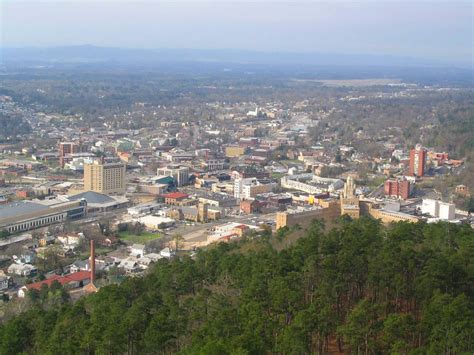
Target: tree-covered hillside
{"type": "Point", "coordinates": [12, 126]}
{"type": "Point", "coordinates": [359, 288]}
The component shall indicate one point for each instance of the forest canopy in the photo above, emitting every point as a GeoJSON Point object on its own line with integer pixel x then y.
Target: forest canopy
{"type": "Point", "coordinates": [358, 288]}
{"type": "Point", "coordinates": [12, 126]}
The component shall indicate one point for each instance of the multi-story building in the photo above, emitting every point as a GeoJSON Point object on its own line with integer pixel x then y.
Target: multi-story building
{"type": "Point", "coordinates": [462, 190]}
{"type": "Point", "coordinates": [311, 183]}
{"type": "Point", "coordinates": [417, 161]}
{"type": "Point", "coordinates": [248, 188]}
{"type": "Point", "coordinates": [106, 178]}
{"type": "Point", "coordinates": [239, 184]}
{"type": "Point", "coordinates": [67, 149]}
{"type": "Point", "coordinates": [438, 209]}
{"type": "Point", "coordinates": [177, 199]}
{"type": "Point", "coordinates": [304, 216]}
{"type": "Point", "coordinates": [214, 164]}
{"type": "Point", "coordinates": [447, 211]}
{"type": "Point", "coordinates": [200, 213]}
{"type": "Point", "coordinates": [438, 158]}
{"type": "Point", "coordinates": [397, 188]}
{"type": "Point", "coordinates": [250, 191]}
{"type": "Point", "coordinates": [431, 207]}
{"type": "Point", "coordinates": [386, 216]}
{"type": "Point", "coordinates": [179, 173]}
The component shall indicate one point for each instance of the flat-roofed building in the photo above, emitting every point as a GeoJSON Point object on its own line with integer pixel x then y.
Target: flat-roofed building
{"type": "Point", "coordinates": [438, 209]}
{"type": "Point", "coordinates": [68, 149]}
{"type": "Point", "coordinates": [106, 178]}
{"type": "Point", "coordinates": [417, 161]}
{"type": "Point", "coordinates": [21, 216]}
{"type": "Point", "coordinates": [311, 183]}
{"type": "Point", "coordinates": [234, 151]}
{"type": "Point", "coordinates": [304, 216]}
{"type": "Point", "coordinates": [176, 198]}
{"type": "Point", "coordinates": [387, 216]}
{"type": "Point", "coordinates": [179, 173]}
{"type": "Point", "coordinates": [399, 188]}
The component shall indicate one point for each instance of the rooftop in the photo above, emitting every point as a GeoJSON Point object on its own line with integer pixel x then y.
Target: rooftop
{"type": "Point", "coordinates": [92, 197]}
{"type": "Point", "coordinates": [20, 208]}
{"type": "Point", "coordinates": [175, 195]}
{"type": "Point", "coordinates": [77, 276]}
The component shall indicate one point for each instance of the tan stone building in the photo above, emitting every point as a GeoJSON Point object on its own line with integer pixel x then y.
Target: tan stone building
{"type": "Point", "coordinates": [304, 217]}
{"type": "Point", "coordinates": [200, 213]}
{"type": "Point", "coordinates": [234, 151]}
{"type": "Point", "coordinates": [388, 216]}
{"type": "Point", "coordinates": [106, 178]}
{"type": "Point", "coordinates": [349, 201]}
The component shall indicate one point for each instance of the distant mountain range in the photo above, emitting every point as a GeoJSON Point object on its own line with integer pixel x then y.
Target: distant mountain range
{"type": "Point", "coordinates": [93, 54]}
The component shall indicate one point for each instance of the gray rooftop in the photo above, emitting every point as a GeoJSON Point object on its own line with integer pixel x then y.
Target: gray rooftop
{"type": "Point", "coordinates": [92, 197]}
{"type": "Point", "coordinates": [19, 208]}
{"type": "Point", "coordinates": [189, 210]}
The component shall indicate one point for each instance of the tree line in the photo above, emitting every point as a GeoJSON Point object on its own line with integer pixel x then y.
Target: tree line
{"type": "Point", "coordinates": [360, 287]}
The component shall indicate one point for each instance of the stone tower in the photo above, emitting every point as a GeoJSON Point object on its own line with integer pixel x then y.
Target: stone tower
{"type": "Point", "coordinates": [202, 212]}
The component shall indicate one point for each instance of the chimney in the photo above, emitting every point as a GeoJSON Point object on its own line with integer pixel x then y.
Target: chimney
{"type": "Point", "coordinates": [92, 262]}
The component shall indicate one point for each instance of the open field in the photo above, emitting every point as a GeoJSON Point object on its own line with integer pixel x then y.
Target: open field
{"type": "Point", "coordinates": [141, 239]}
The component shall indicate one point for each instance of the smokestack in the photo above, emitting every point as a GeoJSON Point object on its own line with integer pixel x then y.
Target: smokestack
{"type": "Point", "coordinates": [92, 262]}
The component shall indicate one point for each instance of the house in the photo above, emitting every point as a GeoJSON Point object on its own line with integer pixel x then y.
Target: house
{"type": "Point", "coordinates": [71, 241]}
{"type": "Point", "coordinates": [79, 265]}
{"type": "Point", "coordinates": [26, 257]}
{"type": "Point", "coordinates": [46, 240]}
{"type": "Point", "coordinates": [144, 262]}
{"type": "Point", "coordinates": [21, 269]}
{"type": "Point", "coordinates": [32, 244]}
{"type": "Point", "coordinates": [130, 265]}
{"type": "Point", "coordinates": [154, 257]}
{"type": "Point", "coordinates": [167, 253]}
{"type": "Point", "coordinates": [5, 282]}
{"type": "Point", "coordinates": [137, 250]}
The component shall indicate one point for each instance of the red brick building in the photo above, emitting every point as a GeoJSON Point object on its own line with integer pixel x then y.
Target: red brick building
{"type": "Point", "coordinates": [417, 161]}
{"type": "Point", "coordinates": [249, 206]}
{"type": "Point", "coordinates": [23, 193]}
{"type": "Point", "coordinates": [397, 188]}
{"type": "Point", "coordinates": [175, 198]}
{"type": "Point", "coordinates": [68, 148]}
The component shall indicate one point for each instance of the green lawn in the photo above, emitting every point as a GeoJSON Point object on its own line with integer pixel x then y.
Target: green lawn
{"type": "Point", "coordinates": [141, 239]}
{"type": "Point", "coordinates": [277, 175]}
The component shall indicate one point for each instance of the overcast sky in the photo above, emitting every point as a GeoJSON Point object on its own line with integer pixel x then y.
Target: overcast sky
{"type": "Point", "coordinates": [425, 29]}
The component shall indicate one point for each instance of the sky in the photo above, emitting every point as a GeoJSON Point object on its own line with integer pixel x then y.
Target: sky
{"type": "Point", "coordinates": [439, 30]}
